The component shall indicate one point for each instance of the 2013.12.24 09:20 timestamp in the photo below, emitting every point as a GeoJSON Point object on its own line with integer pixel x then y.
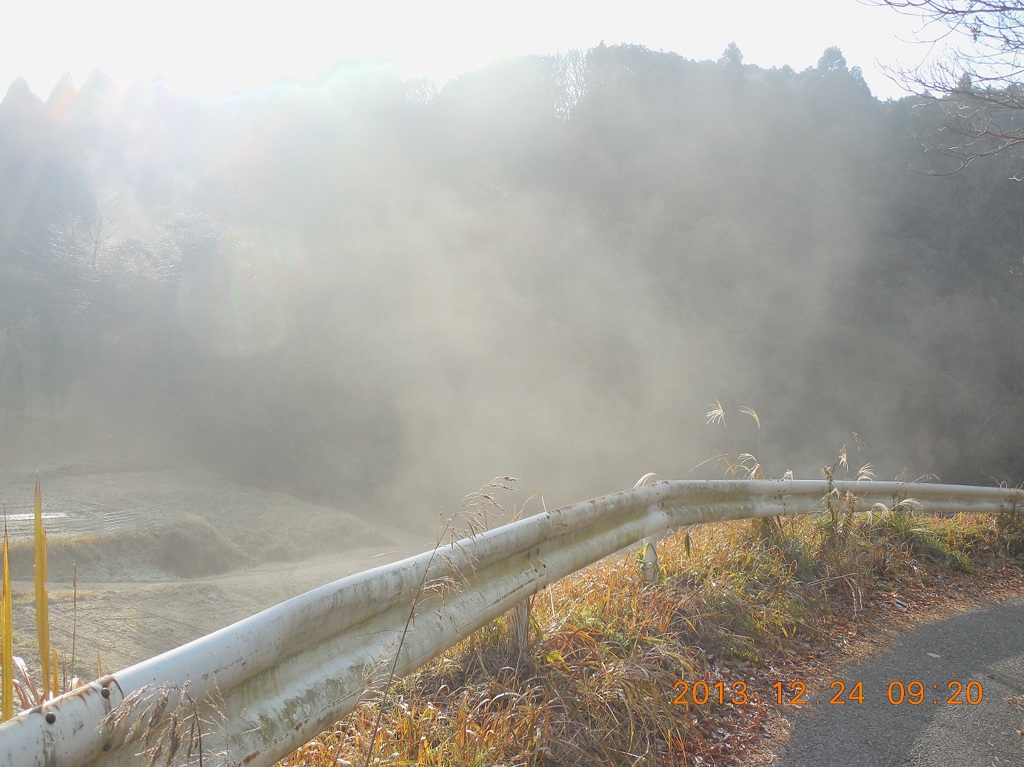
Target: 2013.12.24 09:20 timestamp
{"type": "Point", "coordinates": [897, 693]}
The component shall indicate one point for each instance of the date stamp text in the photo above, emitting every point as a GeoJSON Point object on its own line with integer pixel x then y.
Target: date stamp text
{"type": "Point", "coordinates": [795, 693]}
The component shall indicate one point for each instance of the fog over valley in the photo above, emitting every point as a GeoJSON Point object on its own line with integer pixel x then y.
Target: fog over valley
{"type": "Point", "coordinates": [376, 294]}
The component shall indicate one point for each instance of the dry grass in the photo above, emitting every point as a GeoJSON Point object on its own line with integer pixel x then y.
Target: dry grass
{"type": "Point", "coordinates": [596, 684]}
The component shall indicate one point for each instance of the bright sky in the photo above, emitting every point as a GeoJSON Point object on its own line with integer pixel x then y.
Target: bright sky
{"type": "Point", "coordinates": [217, 47]}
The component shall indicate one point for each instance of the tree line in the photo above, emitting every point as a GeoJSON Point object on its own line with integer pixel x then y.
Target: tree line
{"type": "Point", "coordinates": [369, 286]}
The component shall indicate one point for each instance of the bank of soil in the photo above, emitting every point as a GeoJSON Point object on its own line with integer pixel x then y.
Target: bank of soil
{"type": "Point", "coordinates": [166, 554]}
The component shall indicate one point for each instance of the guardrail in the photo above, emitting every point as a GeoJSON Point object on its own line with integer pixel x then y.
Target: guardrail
{"type": "Point", "coordinates": [275, 680]}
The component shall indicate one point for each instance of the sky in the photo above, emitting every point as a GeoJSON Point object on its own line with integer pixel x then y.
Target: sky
{"type": "Point", "coordinates": [213, 48]}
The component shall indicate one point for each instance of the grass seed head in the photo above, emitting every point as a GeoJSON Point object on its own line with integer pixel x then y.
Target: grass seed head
{"type": "Point", "coordinates": [716, 414]}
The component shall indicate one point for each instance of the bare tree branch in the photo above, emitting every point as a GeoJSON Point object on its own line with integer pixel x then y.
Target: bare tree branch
{"type": "Point", "coordinates": [972, 72]}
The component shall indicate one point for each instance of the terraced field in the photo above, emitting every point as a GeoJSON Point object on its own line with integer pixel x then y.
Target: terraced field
{"type": "Point", "coordinates": [164, 555]}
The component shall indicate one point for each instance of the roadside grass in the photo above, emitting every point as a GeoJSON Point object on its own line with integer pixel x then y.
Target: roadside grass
{"type": "Point", "coordinates": [609, 672]}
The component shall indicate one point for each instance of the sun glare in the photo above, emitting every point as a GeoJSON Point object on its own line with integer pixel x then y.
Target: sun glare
{"type": "Point", "coordinates": [214, 49]}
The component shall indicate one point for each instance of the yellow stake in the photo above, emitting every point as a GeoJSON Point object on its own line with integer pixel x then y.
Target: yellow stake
{"type": "Point", "coordinates": [54, 673]}
{"type": "Point", "coordinates": [42, 600]}
{"type": "Point", "coordinates": [7, 638]}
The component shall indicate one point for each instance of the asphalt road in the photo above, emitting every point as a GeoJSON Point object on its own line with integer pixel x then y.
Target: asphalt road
{"type": "Point", "coordinates": [981, 650]}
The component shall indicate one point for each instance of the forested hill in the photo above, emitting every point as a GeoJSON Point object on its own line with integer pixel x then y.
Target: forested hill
{"type": "Point", "coordinates": [379, 291]}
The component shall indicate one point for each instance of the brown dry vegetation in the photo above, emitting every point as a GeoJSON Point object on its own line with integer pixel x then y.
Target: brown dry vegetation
{"type": "Point", "coordinates": [753, 602]}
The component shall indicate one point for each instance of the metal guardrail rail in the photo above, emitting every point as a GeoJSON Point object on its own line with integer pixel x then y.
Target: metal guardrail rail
{"type": "Point", "coordinates": [275, 680]}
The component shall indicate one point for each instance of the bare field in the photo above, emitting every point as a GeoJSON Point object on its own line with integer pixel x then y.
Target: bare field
{"type": "Point", "coordinates": [167, 554]}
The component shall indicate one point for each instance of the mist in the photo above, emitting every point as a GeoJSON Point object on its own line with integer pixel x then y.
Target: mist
{"type": "Point", "coordinates": [378, 295]}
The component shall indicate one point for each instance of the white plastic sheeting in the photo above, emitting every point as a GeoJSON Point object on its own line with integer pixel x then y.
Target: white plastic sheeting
{"type": "Point", "coordinates": [269, 683]}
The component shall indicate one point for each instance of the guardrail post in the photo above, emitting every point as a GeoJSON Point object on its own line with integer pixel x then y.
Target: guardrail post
{"type": "Point", "coordinates": [650, 560]}
{"type": "Point", "coordinates": [519, 627]}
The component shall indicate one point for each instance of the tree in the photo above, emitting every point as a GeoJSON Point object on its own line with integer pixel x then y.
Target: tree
{"type": "Point", "coordinates": [105, 225]}
{"type": "Point", "coordinates": [731, 56]}
{"type": "Point", "coordinates": [731, 61]}
{"type": "Point", "coordinates": [977, 76]}
{"type": "Point", "coordinates": [570, 80]}
{"type": "Point", "coordinates": [832, 61]}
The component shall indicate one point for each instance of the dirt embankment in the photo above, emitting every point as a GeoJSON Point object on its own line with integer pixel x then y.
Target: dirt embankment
{"type": "Point", "coordinates": [164, 555]}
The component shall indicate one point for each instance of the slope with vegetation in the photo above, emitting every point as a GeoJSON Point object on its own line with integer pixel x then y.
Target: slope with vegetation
{"type": "Point", "coordinates": [347, 287]}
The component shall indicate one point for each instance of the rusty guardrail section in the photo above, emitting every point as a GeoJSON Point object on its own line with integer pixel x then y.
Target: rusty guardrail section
{"type": "Point", "coordinates": [273, 681]}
